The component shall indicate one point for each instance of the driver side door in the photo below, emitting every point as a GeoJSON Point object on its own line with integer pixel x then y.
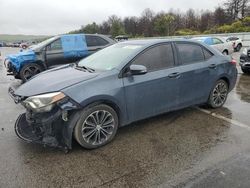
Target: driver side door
{"type": "Point", "coordinates": [54, 53]}
{"type": "Point", "coordinates": [157, 91]}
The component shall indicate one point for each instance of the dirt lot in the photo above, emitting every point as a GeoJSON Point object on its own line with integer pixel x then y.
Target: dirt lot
{"type": "Point", "coordinates": [193, 147]}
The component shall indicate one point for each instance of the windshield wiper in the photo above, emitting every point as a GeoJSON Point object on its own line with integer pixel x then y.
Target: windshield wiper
{"type": "Point", "coordinates": [82, 67]}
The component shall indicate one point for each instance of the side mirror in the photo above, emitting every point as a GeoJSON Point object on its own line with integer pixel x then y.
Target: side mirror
{"type": "Point", "coordinates": [137, 69]}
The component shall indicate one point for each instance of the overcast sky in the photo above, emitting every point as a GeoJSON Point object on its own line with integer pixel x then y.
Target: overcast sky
{"type": "Point", "coordinates": [49, 17]}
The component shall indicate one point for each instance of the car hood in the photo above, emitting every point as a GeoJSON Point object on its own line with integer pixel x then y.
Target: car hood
{"type": "Point", "coordinates": [53, 80]}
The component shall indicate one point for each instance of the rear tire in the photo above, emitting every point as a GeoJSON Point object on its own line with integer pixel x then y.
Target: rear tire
{"type": "Point", "coordinates": [218, 94]}
{"type": "Point", "coordinates": [30, 70]}
{"type": "Point", "coordinates": [238, 47]}
{"type": "Point", "coordinates": [96, 127]}
{"type": "Point", "coordinates": [225, 52]}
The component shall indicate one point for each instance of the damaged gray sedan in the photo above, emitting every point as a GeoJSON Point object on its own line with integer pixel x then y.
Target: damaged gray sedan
{"type": "Point", "coordinates": [123, 83]}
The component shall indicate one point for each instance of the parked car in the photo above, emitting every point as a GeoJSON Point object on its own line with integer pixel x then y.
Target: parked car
{"type": "Point", "coordinates": [121, 38]}
{"type": "Point", "coordinates": [54, 51]}
{"type": "Point", "coordinates": [245, 60]}
{"type": "Point", "coordinates": [118, 85]}
{"type": "Point", "coordinates": [16, 44]}
{"type": "Point", "coordinates": [236, 42]}
{"type": "Point", "coordinates": [9, 44]}
{"type": "Point", "coordinates": [219, 43]}
{"type": "Point", "coordinates": [2, 44]}
{"type": "Point", "coordinates": [24, 45]}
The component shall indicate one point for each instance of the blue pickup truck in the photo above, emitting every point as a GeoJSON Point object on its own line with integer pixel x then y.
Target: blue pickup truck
{"type": "Point", "coordinates": [58, 50]}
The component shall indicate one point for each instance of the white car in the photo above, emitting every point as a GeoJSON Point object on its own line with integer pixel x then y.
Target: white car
{"type": "Point", "coordinates": [219, 43]}
{"type": "Point", "coordinates": [236, 42]}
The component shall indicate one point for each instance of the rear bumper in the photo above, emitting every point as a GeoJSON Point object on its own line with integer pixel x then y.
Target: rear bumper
{"type": "Point", "coordinates": [233, 79]}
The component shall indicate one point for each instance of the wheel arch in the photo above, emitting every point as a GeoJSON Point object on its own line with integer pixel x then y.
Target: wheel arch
{"type": "Point", "coordinates": [109, 102]}
{"type": "Point", "coordinates": [38, 62]}
{"type": "Point", "coordinates": [41, 63]}
{"type": "Point", "coordinates": [76, 114]}
{"type": "Point", "coordinates": [222, 77]}
{"type": "Point", "coordinates": [226, 80]}
{"type": "Point", "coordinates": [226, 50]}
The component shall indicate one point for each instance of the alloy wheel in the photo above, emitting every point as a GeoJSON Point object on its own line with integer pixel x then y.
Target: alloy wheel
{"type": "Point", "coordinates": [31, 71]}
{"type": "Point", "coordinates": [98, 127]}
{"type": "Point", "coordinates": [220, 94]}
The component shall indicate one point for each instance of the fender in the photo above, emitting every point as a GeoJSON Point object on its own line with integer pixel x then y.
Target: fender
{"type": "Point", "coordinates": [68, 128]}
{"type": "Point", "coordinates": [111, 101]}
{"type": "Point", "coordinates": [21, 58]}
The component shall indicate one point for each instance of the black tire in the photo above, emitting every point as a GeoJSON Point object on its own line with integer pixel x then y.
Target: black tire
{"type": "Point", "coordinates": [30, 70]}
{"type": "Point", "coordinates": [91, 134]}
{"type": "Point", "coordinates": [245, 71]}
{"type": "Point", "coordinates": [238, 47]}
{"type": "Point", "coordinates": [218, 94]}
{"type": "Point", "coordinates": [225, 52]}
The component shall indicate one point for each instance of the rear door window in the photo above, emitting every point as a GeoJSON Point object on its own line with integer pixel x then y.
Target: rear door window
{"type": "Point", "coordinates": [95, 41]}
{"type": "Point", "coordinates": [207, 54]}
{"type": "Point", "coordinates": [156, 58]}
{"type": "Point", "coordinates": [189, 53]}
{"type": "Point", "coordinates": [232, 38]}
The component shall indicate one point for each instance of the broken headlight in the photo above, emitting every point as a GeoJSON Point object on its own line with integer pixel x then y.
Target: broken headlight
{"type": "Point", "coordinates": [44, 102]}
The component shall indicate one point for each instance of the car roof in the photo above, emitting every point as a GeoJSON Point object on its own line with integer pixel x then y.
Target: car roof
{"type": "Point", "coordinates": [201, 38]}
{"type": "Point", "coordinates": [96, 34]}
{"type": "Point", "coordinates": [149, 42]}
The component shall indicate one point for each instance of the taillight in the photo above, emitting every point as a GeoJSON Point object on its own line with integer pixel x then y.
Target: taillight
{"type": "Point", "coordinates": [233, 62]}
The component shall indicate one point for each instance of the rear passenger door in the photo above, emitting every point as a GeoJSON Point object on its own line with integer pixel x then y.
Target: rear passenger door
{"type": "Point", "coordinates": [198, 71]}
{"type": "Point", "coordinates": [95, 43]}
{"type": "Point", "coordinates": [157, 91]}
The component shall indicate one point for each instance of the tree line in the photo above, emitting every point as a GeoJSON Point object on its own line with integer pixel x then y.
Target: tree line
{"type": "Point", "coordinates": [232, 16]}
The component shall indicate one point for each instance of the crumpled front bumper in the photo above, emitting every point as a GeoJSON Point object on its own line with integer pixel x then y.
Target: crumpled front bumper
{"type": "Point", "coordinates": [48, 129]}
{"type": "Point", "coordinates": [11, 70]}
{"type": "Point", "coordinates": [245, 61]}
{"type": "Point", "coordinates": [46, 132]}
{"type": "Point", "coordinates": [245, 65]}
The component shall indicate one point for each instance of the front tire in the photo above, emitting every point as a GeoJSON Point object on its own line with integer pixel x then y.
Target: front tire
{"type": "Point", "coordinates": [96, 127]}
{"type": "Point", "coordinates": [225, 52]}
{"type": "Point", "coordinates": [30, 70]}
{"type": "Point", "coordinates": [218, 95]}
{"type": "Point", "coordinates": [245, 71]}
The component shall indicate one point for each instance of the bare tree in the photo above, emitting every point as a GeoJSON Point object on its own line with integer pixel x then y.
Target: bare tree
{"type": "Point", "coordinates": [131, 25]}
{"type": "Point", "coordinates": [146, 23]}
{"type": "Point", "coordinates": [244, 8]}
{"type": "Point", "coordinates": [220, 16]}
{"type": "Point", "coordinates": [236, 8]}
{"type": "Point", "coordinates": [206, 20]}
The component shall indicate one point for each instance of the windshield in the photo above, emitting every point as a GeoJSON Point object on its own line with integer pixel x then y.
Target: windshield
{"type": "Point", "coordinates": [109, 57]}
{"type": "Point", "coordinates": [42, 44]}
